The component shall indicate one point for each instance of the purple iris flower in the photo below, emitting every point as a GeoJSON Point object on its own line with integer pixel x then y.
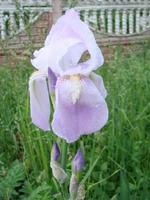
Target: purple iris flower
{"type": "Point", "coordinates": [80, 106]}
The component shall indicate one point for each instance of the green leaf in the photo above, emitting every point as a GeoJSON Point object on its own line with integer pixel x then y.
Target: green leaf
{"type": "Point", "coordinates": [13, 179]}
{"type": "Point", "coordinates": [124, 187]}
{"type": "Point", "coordinates": [91, 168]}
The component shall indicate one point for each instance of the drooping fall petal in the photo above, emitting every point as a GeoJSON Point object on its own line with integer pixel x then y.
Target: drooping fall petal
{"type": "Point", "coordinates": [98, 81]}
{"type": "Point", "coordinates": [39, 100]}
{"type": "Point", "coordinates": [80, 108]}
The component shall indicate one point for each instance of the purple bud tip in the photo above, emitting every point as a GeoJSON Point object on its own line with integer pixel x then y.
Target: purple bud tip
{"type": "Point", "coordinates": [55, 152]}
{"type": "Point", "coordinates": [78, 162]}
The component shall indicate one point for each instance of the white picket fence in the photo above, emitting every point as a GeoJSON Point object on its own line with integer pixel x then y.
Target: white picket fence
{"type": "Point", "coordinates": [110, 17]}
{"type": "Point", "coordinates": [15, 17]}
{"type": "Point", "coordinates": [118, 19]}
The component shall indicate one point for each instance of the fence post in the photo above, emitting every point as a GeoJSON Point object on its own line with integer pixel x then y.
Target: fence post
{"type": "Point", "coordinates": [137, 21]}
{"type": "Point", "coordinates": [117, 22]}
{"type": "Point", "coordinates": [56, 9]}
{"type": "Point", "coordinates": [131, 21]}
{"type": "Point", "coordinates": [2, 26]}
{"type": "Point", "coordinates": [124, 21]}
{"type": "Point", "coordinates": [110, 22]}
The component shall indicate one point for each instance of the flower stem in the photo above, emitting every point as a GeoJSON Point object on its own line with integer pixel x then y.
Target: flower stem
{"type": "Point", "coordinates": [64, 155]}
{"type": "Point", "coordinates": [64, 163]}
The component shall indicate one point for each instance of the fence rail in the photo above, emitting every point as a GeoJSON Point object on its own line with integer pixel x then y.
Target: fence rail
{"type": "Point", "coordinates": [25, 2]}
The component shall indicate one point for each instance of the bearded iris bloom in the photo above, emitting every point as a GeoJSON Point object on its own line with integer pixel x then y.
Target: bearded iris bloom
{"type": "Point", "coordinates": [80, 106]}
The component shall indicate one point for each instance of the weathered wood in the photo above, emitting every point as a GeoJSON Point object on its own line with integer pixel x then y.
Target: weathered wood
{"type": "Point", "coordinates": [57, 9]}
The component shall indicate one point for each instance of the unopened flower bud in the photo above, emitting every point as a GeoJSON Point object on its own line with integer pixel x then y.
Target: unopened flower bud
{"type": "Point", "coordinates": [55, 152]}
{"type": "Point", "coordinates": [73, 188]}
{"type": "Point", "coordinates": [81, 193]}
{"type": "Point", "coordinates": [58, 172]}
{"type": "Point", "coordinates": [76, 190]}
{"type": "Point", "coordinates": [78, 162]}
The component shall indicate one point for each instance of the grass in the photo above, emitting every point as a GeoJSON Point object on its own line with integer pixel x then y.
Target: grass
{"type": "Point", "coordinates": [120, 153]}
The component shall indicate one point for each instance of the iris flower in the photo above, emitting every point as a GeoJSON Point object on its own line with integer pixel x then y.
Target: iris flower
{"type": "Point", "coordinates": [80, 106]}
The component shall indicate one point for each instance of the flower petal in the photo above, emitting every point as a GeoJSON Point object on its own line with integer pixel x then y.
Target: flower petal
{"type": "Point", "coordinates": [55, 152]}
{"type": "Point", "coordinates": [98, 81]}
{"type": "Point", "coordinates": [86, 36]}
{"type": "Point", "coordinates": [64, 46]}
{"type": "Point", "coordinates": [51, 55]}
{"type": "Point", "coordinates": [39, 100]}
{"type": "Point", "coordinates": [75, 118]}
{"type": "Point", "coordinates": [51, 80]}
{"type": "Point", "coordinates": [58, 172]}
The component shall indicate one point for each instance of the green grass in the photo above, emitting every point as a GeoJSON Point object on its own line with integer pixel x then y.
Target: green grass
{"type": "Point", "coordinates": [121, 151]}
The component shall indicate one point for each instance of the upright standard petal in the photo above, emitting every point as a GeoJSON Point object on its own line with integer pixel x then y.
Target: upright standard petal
{"type": "Point", "coordinates": [53, 54]}
{"type": "Point", "coordinates": [82, 31]}
{"type": "Point", "coordinates": [68, 39]}
{"type": "Point", "coordinates": [80, 108]}
{"type": "Point", "coordinates": [39, 100]}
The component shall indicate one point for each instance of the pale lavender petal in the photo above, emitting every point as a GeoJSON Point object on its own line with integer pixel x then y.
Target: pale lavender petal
{"type": "Point", "coordinates": [39, 100]}
{"type": "Point", "coordinates": [51, 55]}
{"type": "Point", "coordinates": [98, 81]}
{"type": "Point", "coordinates": [71, 58]}
{"type": "Point", "coordinates": [55, 152]}
{"type": "Point", "coordinates": [80, 111]}
{"type": "Point", "coordinates": [78, 162]}
{"type": "Point", "coordinates": [64, 46]}
{"type": "Point", "coordinates": [83, 32]}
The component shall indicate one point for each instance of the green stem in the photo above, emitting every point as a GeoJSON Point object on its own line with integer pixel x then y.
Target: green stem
{"type": "Point", "coordinates": [64, 155]}
{"type": "Point", "coordinates": [82, 147]}
{"type": "Point", "coordinates": [63, 164]}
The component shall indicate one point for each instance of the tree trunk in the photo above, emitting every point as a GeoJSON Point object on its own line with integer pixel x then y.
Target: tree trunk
{"type": "Point", "coordinates": [56, 9]}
